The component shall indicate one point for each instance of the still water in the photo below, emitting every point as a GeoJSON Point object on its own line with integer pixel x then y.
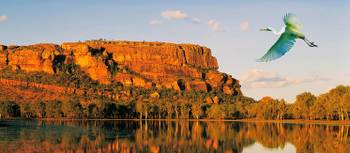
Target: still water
{"type": "Point", "coordinates": [171, 136]}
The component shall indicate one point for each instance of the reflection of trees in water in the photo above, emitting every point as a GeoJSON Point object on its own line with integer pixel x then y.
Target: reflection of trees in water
{"type": "Point", "coordinates": [170, 136]}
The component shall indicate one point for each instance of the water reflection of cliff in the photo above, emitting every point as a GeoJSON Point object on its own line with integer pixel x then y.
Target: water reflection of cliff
{"type": "Point", "coordinates": [162, 136]}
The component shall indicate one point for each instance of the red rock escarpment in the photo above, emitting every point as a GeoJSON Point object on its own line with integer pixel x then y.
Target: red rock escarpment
{"type": "Point", "coordinates": [140, 64]}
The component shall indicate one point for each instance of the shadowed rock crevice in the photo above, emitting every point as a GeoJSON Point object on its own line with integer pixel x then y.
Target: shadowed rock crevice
{"type": "Point", "coordinates": [58, 62]}
{"type": "Point", "coordinates": [181, 84]}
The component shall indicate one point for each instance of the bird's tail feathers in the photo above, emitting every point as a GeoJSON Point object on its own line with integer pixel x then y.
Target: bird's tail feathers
{"type": "Point", "coordinates": [261, 60]}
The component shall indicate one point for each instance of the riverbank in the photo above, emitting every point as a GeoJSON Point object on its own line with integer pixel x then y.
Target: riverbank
{"type": "Point", "coordinates": [289, 121]}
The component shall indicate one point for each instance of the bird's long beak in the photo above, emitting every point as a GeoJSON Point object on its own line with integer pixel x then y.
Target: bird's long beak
{"type": "Point", "coordinates": [265, 29]}
{"type": "Point", "coordinates": [311, 44]}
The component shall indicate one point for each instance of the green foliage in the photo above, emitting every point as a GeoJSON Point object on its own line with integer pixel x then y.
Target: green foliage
{"type": "Point", "coordinates": [105, 109]}
{"type": "Point", "coordinates": [27, 111]}
{"type": "Point", "coordinates": [71, 75]}
{"type": "Point", "coordinates": [39, 109]}
{"type": "Point", "coordinates": [53, 109]}
{"type": "Point", "coordinates": [72, 109]}
{"type": "Point", "coordinates": [185, 110]}
{"type": "Point", "coordinates": [333, 105]}
{"type": "Point", "coordinates": [93, 111]}
{"type": "Point", "coordinates": [302, 105]}
{"type": "Point", "coordinates": [270, 109]}
{"type": "Point", "coordinates": [169, 109]}
{"type": "Point", "coordinates": [68, 75]}
{"type": "Point", "coordinates": [138, 108]}
{"type": "Point", "coordinates": [196, 110]}
{"type": "Point", "coordinates": [9, 109]}
{"type": "Point", "coordinates": [216, 112]}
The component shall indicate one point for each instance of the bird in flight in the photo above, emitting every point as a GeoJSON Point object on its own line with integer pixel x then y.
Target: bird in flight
{"type": "Point", "coordinates": [288, 34]}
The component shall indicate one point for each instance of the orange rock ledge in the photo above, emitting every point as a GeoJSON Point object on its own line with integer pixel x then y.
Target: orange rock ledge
{"type": "Point", "coordinates": [141, 64]}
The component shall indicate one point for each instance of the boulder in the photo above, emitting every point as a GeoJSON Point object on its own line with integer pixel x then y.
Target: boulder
{"type": "Point", "coordinates": [33, 58]}
{"type": "Point", "coordinates": [209, 100]}
{"type": "Point", "coordinates": [215, 79]}
{"type": "Point", "coordinates": [132, 80]}
{"type": "Point", "coordinates": [198, 85]}
{"type": "Point", "coordinates": [228, 90]}
{"type": "Point", "coordinates": [216, 100]}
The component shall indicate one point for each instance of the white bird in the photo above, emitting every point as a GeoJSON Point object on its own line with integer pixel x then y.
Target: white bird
{"type": "Point", "coordinates": [285, 42]}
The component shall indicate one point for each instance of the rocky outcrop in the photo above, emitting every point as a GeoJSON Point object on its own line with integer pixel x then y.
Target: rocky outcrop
{"type": "Point", "coordinates": [182, 67]}
{"type": "Point", "coordinates": [132, 80]}
{"type": "Point", "coordinates": [3, 56]}
{"type": "Point", "coordinates": [32, 58]}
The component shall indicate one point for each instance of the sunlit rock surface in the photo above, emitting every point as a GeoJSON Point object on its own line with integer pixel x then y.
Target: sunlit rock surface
{"type": "Point", "coordinates": [182, 67]}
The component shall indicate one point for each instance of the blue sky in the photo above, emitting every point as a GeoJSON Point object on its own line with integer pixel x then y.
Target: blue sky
{"type": "Point", "coordinates": [229, 28]}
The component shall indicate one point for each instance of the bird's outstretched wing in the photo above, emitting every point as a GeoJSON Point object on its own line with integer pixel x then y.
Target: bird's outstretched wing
{"type": "Point", "coordinates": [283, 45]}
{"type": "Point", "coordinates": [290, 20]}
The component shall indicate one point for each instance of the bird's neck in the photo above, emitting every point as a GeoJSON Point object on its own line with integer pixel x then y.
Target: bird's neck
{"type": "Point", "coordinates": [274, 31]}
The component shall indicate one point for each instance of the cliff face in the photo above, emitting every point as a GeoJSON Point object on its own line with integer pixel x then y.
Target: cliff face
{"type": "Point", "coordinates": [139, 64]}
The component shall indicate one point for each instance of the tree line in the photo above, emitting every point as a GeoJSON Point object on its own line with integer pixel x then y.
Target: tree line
{"type": "Point", "coordinates": [333, 105]}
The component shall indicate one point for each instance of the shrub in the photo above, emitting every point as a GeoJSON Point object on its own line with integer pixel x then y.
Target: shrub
{"type": "Point", "coordinates": [54, 109]}
{"type": "Point", "coordinates": [9, 109]}
{"type": "Point", "coordinates": [72, 109]}
{"type": "Point", "coordinates": [27, 110]}
{"type": "Point", "coordinates": [216, 112]}
{"type": "Point", "coordinates": [39, 109]}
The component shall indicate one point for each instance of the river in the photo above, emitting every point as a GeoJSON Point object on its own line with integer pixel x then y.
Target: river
{"type": "Point", "coordinates": [171, 136]}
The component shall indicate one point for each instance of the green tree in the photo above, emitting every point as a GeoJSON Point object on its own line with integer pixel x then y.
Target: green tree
{"type": "Point", "coordinates": [54, 109]}
{"type": "Point", "coordinates": [9, 109]}
{"type": "Point", "coordinates": [196, 110]}
{"type": "Point", "coordinates": [318, 110]}
{"type": "Point", "coordinates": [176, 110]}
{"type": "Point", "coordinates": [185, 110]}
{"type": "Point", "coordinates": [93, 111]}
{"type": "Point", "coordinates": [281, 109]}
{"type": "Point", "coordinates": [138, 108]}
{"type": "Point", "coordinates": [162, 109]}
{"type": "Point", "coordinates": [169, 109]}
{"type": "Point", "coordinates": [72, 109]}
{"type": "Point", "coordinates": [27, 110]}
{"type": "Point", "coordinates": [264, 108]}
{"type": "Point", "coordinates": [335, 102]}
{"type": "Point", "coordinates": [345, 101]}
{"type": "Point", "coordinates": [302, 105]}
{"type": "Point", "coordinates": [146, 108]}
{"type": "Point", "coordinates": [39, 109]}
{"type": "Point", "coordinates": [105, 109]}
{"type": "Point", "coordinates": [216, 112]}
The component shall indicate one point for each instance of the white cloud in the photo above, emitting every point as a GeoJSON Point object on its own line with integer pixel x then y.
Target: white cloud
{"type": "Point", "coordinates": [196, 20]}
{"type": "Point", "coordinates": [155, 22]}
{"type": "Point", "coordinates": [264, 79]}
{"type": "Point", "coordinates": [3, 18]}
{"type": "Point", "coordinates": [214, 25]}
{"type": "Point", "coordinates": [179, 15]}
{"type": "Point", "coordinates": [174, 15]}
{"type": "Point", "coordinates": [244, 26]}
{"type": "Point", "coordinates": [316, 78]}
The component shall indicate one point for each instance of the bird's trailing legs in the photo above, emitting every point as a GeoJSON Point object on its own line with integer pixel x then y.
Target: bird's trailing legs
{"type": "Point", "coordinates": [311, 44]}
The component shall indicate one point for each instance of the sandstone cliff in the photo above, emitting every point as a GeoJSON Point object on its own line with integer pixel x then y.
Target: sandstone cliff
{"type": "Point", "coordinates": [182, 67]}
